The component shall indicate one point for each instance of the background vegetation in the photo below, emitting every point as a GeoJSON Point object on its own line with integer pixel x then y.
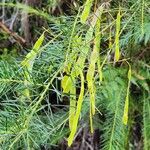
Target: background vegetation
{"type": "Point", "coordinates": [74, 75]}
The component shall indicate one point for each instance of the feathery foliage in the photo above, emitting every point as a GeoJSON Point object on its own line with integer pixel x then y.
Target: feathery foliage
{"type": "Point", "coordinates": [79, 72]}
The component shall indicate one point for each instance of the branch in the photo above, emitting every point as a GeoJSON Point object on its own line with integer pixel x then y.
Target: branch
{"type": "Point", "coordinates": [13, 34]}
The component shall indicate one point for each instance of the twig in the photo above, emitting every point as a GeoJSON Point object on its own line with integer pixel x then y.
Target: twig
{"type": "Point", "coordinates": [13, 20]}
{"type": "Point", "coordinates": [13, 34]}
{"type": "Point", "coordinates": [25, 23]}
{"type": "Point", "coordinates": [142, 53]}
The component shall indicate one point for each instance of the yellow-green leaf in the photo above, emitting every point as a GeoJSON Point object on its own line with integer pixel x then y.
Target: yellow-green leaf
{"type": "Point", "coordinates": [92, 99]}
{"type": "Point", "coordinates": [70, 60]}
{"type": "Point", "coordinates": [117, 48]}
{"type": "Point", "coordinates": [28, 64]}
{"type": "Point", "coordinates": [78, 111]}
{"type": "Point", "coordinates": [91, 120]}
{"type": "Point", "coordinates": [86, 11]}
{"type": "Point", "coordinates": [110, 39]}
{"type": "Point", "coordinates": [31, 56]}
{"type": "Point", "coordinates": [72, 107]}
{"type": "Point", "coordinates": [126, 107]}
{"type": "Point", "coordinates": [93, 60]}
{"type": "Point", "coordinates": [38, 43]}
{"type": "Point", "coordinates": [66, 84]}
{"type": "Point", "coordinates": [84, 51]}
{"type": "Point", "coordinates": [97, 41]}
{"type": "Point", "coordinates": [129, 72]}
